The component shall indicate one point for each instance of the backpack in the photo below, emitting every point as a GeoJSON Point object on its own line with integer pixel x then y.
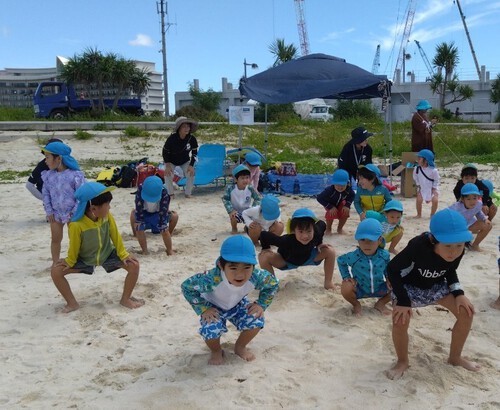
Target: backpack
{"type": "Point", "coordinates": [126, 178]}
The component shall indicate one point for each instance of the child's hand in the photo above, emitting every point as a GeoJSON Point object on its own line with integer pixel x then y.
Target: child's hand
{"type": "Point", "coordinates": [324, 245]}
{"type": "Point", "coordinates": [210, 315]}
{"type": "Point", "coordinates": [333, 212]}
{"type": "Point", "coordinates": [485, 209]}
{"type": "Point", "coordinates": [130, 259]}
{"type": "Point", "coordinates": [62, 262]}
{"type": "Point", "coordinates": [345, 211]}
{"type": "Point", "coordinates": [255, 310]}
{"type": "Point", "coordinates": [463, 301]}
{"type": "Point", "coordinates": [401, 314]}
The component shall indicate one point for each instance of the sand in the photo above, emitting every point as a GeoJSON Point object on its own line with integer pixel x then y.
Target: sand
{"type": "Point", "coordinates": [313, 353]}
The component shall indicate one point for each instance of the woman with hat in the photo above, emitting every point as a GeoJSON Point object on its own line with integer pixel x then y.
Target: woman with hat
{"type": "Point", "coordinates": [421, 128]}
{"type": "Point", "coordinates": [356, 152]}
{"type": "Point", "coordinates": [181, 149]}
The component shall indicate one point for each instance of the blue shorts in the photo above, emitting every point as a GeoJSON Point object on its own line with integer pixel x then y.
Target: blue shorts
{"type": "Point", "coordinates": [238, 316]}
{"type": "Point", "coordinates": [378, 293]}
{"type": "Point", "coordinates": [424, 297]}
{"type": "Point", "coordinates": [112, 263]}
{"type": "Point", "coordinates": [152, 221]}
{"type": "Point", "coordinates": [309, 262]}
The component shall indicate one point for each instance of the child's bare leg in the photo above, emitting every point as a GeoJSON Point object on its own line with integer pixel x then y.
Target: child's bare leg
{"type": "Point", "coordinates": [141, 238]}
{"type": "Point", "coordinates": [167, 240]}
{"type": "Point", "coordinates": [277, 228]}
{"type": "Point", "coordinates": [400, 340]}
{"type": "Point", "coordinates": [329, 223]}
{"type": "Point", "coordinates": [328, 254]}
{"type": "Point", "coordinates": [269, 259]}
{"type": "Point", "coordinates": [240, 347]}
{"type": "Point", "coordinates": [394, 242]}
{"type": "Point", "coordinates": [482, 230]}
{"type": "Point", "coordinates": [342, 221]}
{"type": "Point", "coordinates": [254, 234]}
{"type": "Point", "coordinates": [434, 204]}
{"type": "Point", "coordinates": [459, 334]}
{"type": "Point", "coordinates": [58, 275]}
{"type": "Point", "coordinates": [348, 290]}
{"type": "Point", "coordinates": [492, 212]}
{"type": "Point", "coordinates": [56, 231]}
{"type": "Point", "coordinates": [496, 303]}
{"type": "Point", "coordinates": [234, 224]}
{"type": "Point", "coordinates": [172, 223]}
{"type": "Point", "coordinates": [419, 202]}
{"type": "Point", "coordinates": [216, 352]}
{"type": "Point", "coordinates": [132, 222]}
{"type": "Point", "coordinates": [381, 305]}
{"type": "Point", "coordinates": [130, 280]}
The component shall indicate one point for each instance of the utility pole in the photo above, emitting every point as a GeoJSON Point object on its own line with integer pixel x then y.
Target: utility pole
{"type": "Point", "coordinates": [470, 41]}
{"type": "Point", "coordinates": [162, 11]}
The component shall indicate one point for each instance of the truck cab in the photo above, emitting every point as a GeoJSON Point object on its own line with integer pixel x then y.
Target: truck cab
{"type": "Point", "coordinates": [320, 112]}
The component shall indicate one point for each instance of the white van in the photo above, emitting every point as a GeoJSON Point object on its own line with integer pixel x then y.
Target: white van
{"type": "Point", "coordinates": [320, 112]}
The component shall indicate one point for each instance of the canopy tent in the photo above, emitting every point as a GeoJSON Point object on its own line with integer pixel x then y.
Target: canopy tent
{"type": "Point", "coordinates": [316, 76]}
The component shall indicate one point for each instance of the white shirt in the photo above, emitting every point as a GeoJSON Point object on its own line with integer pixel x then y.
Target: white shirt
{"type": "Point", "coordinates": [241, 199]}
{"type": "Point", "coordinates": [424, 184]}
{"type": "Point", "coordinates": [254, 214]}
{"type": "Point", "coordinates": [227, 296]}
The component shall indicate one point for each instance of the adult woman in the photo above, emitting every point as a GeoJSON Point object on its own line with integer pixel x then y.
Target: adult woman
{"type": "Point", "coordinates": [356, 152]}
{"type": "Point", "coordinates": [181, 149]}
{"type": "Point", "coordinates": [421, 128]}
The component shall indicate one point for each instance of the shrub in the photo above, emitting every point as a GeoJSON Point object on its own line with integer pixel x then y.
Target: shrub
{"type": "Point", "coordinates": [134, 132]}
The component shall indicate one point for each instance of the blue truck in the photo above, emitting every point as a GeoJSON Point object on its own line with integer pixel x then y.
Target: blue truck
{"type": "Point", "coordinates": [57, 100]}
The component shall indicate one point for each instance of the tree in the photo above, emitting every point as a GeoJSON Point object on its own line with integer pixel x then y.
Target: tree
{"type": "Point", "coordinates": [495, 90]}
{"type": "Point", "coordinates": [283, 52]}
{"type": "Point", "coordinates": [445, 80]}
{"type": "Point", "coordinates": [208, 100]}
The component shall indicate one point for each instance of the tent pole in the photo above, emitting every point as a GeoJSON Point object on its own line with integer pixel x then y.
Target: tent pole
{"type": "Point", "coordinates": [265, 132]}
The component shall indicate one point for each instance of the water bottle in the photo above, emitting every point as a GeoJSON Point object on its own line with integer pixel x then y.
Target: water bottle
{"type": "Point", "coordinates": [278, 185]}
{"type": "Point", "coordinates": [296, 187]}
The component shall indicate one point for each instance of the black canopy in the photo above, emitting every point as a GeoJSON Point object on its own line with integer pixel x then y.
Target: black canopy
{"type": "Point", "coordinates": [312, 76]}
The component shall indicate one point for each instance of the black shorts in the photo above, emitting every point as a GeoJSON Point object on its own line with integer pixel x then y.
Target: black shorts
{"type": "Point", "coordinates": [112, 263]}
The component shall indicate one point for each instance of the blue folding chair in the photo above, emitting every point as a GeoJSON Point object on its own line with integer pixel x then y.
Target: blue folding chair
{"type": "Point", "coordinates": [209, 168]}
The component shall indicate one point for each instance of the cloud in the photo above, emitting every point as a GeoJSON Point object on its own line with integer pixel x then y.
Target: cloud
{"type": "Point", "coordinates": [141, 40]}
{"type": "Point", "coordinates": [334, 35]}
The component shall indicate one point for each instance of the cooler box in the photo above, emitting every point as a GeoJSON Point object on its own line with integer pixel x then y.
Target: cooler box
{"type": "Point", "coordinates": [408, 162]}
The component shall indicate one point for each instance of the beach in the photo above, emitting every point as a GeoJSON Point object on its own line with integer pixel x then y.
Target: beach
{"type": "Point", "coordinates": [312, 352]}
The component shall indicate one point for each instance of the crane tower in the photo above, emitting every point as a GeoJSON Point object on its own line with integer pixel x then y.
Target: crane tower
{"type": "Point", "coordinates": [406, 36]}
{"type": "Point", "coordinates": [301, 24]}
{"type": "Point", "coordinates": [468, 38]}
{"type": "Point", "coordinates": [376, 60]}
{"type": "Point", "coordinates": [426, 60]}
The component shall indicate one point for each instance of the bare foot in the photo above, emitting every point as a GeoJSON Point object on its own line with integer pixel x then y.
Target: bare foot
{"type": "Point", "coordinates": [475, 248]}
{"type": "Point", "coordinates": [340, 231]}
{"type": "Point", "coordinates": [70, 308]}
{"type": "Point", "coordinates": [328, 233]}
{"type": "Point", "coordinates": [418, 216]}
{"type": "Point", "coordinates": [496, 304]}
{"type": "Point", "coordinates": [382, 308]}
{"type": "Point", "coordinates": [357, 310]}
{"type": "Point", "coordinates": [216, 358]}
{"type": "Point", "coordinates": [465, 363]}
{"type": "Point", "coordinates": [144, 252]}
{"type": "Point", "coordinates": [244, 353]}
{"type": "Point", "coordinates": [132, 303]}
{"type": "Point", "coordinates": [169, 252]}
{"type": "Point", "coordinates": [397, 371]}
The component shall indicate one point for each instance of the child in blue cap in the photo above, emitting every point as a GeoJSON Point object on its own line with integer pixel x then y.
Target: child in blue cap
{"type": "Point", "coordinates": [470, 207]}
{"type": "Point", "coordinates": [239, 196]}
{"type": "Point", "coordinates": [390, 218]}
{"type": "Point", "coordinates": [94, 240]}
{"type": "Point", "coordinates": [426, 177]}
{"type": "Point", "coordinates": [220, 294]}
{"type": "Point", "coordinates": [425, 273]}
{"type": "Point", "coordinates": [302, 246]}
{"type": "Point", "coordinates": [363, 270]}
{"type": "Point", "coordinates": [59, 185]}
{"type": "Point", "coordinates": [253, 162]}
{"type": "Point", "coordinates": [337, 199]}
{"type": "Point", "coordinates": [370, 194]}
{"type": "Point", "coordinates": [263, 217]}
{"type": "Point", "coordinates": [152, 203]}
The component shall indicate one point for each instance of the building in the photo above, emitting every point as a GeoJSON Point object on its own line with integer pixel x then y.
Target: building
{"type": "Point", "coordinates": [17, 85]}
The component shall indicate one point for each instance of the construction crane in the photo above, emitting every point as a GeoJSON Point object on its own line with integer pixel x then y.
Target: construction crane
{"type": "Point", "coordinates": [405, 37]}
{"type": "Point", "coordinates": [376, 60]}
{"type": "Point", "coordinates": [301, 24]}
{"type": "Point", "coordinates": [469, 39]}
{"type": "Point", "coordinates": [430, 69]}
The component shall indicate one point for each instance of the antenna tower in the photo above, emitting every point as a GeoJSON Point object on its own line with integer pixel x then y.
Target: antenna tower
{"type": "Point", "coordinates": [301, 24]}
{"type": "Point", "coordinates": [406, 36]}
{"type": "Point", "coordinates": [376, 60]}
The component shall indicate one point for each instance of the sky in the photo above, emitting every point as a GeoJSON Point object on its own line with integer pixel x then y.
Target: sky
{"type": "Point", "coordinates": [210, 39]}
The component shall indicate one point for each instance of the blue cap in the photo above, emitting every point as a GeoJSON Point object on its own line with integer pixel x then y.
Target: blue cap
{"type": "Point", "coordinates": [370, 229]}
{"type": "Point", "coordinates": [423, 105]}
{"type": "Point", "coordinates": [372, 168]}
{"type": "Point", "coordinates": [449, 226]}
{"type": "Point", "coordinates": [239, 168]}
{"type": "Point", "coordinates": [304, 213]}
{"type": "Point", "coordinates": [238, 248]}
{"type": "Point", "coordinates": [393, 205]}
{"type": "Point", "coordinates": [253, 158]}
{"type": "Point", "coordinates": [489, 185]}
{"type": "Point", "coordinates": [86, 192]}
{"type": "Point", "coordinates": [470, 189]}
{"type": "Point", "coordinates": [270, 207]}
{"type": "Point", "coordinates": [151, 189]}
{"type": "Point", "coordinates": [428, 155]}
{"type": "Point", "coordinates": [60, 148]}
{"type": "Point", "coordinates": [340, 177]}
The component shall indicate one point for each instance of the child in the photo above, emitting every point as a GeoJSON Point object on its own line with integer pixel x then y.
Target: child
{"type": "Point", "coordinates": [239, 196]}
{"type": "Point", "coordinates": [220, 294]}
{"type": "Point", "coordinates": [151, 212]}
{"type": "Point", "coordinates": [425, 273]}
{"type": "Point", "coordinates": [59, 185]}
{"type": "Point", "coordinates": [371, 194]}
{"type": "Point", "coordinates": [253, 163]}
{"type": "Point", "coordinates": [367, 264]}
{"type": "Point", "coordinates": [263, 217]}
{"type": "Point", "coordinates": [469, 175]}
{"type": "Point", "coordinates": [469, 207]}
{"type": "Point", "coordinates": [426, 179]}
{"type": "Point", "coordinates": [337, 199]}
{"type": "Point", "coordinates": [496, 303]}
{"type": "Point", "coordinates": [495, 196]}
{"type": "Point", "coordinates": [94, 240]}
{"type": "Point", "coordinates": [390, 218]}
{"type": "Point", "coordinates": [303, 246]}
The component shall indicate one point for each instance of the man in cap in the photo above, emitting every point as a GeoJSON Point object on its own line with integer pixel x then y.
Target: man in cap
{"type": "Point", "coordinates": [356, 152]}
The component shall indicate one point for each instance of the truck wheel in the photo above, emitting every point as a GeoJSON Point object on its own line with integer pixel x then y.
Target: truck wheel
{"type": "Point", "coordinates": [58, 115]}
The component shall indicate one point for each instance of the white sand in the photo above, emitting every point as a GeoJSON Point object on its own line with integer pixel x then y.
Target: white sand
{"type": "Point", "coordinates": [312, 353]}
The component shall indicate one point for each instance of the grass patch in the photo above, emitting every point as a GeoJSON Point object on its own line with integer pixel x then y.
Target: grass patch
{"type": "Point", "coordinates": [83, 135]}
{"type": "Point", "coordinates": [135, 132]}
{"type": "Point", "coordinates": [10, 176]}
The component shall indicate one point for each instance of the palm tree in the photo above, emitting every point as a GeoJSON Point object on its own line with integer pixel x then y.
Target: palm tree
{"type": "Point", "coordinates": [283, 52]}
{"type": "Point", "coordinates": [495, 90]}
{"type": "Point", "coordinates": [122, 72]}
